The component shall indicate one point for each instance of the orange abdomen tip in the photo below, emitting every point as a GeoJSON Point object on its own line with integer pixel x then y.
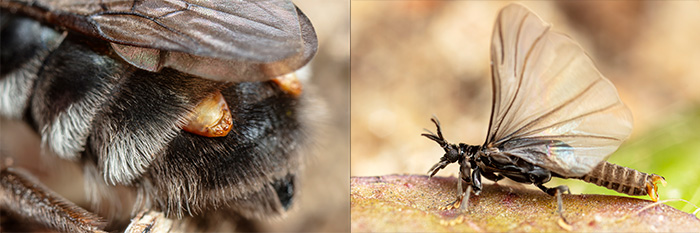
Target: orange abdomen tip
{"type": "Point", "coordinates": [289, 83]}
{"type": "Point", "coordinates": [652, 188]}
{"type": "Point", "coordinates": [211, 117]}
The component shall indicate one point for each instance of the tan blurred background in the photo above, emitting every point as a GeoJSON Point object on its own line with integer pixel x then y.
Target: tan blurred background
{"type": "Point", "coordinates": [323, 205]}
{"type": "Point", "coordinates": [413, 59]}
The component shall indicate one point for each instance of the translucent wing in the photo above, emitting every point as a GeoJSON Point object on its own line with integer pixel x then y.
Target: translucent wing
{"type": "Point", "coordinates": [551, 106]}
{"type": "Point", "coordinates": [262, 38]}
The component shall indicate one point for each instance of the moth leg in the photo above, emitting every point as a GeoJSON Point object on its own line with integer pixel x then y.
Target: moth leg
{"type": "Point", "coordinates": [465, 198]}
{"type": "Point", "coordinates": [23, 196]}
{"type": "Point", "coordinates": [458, 201]}
{"type": "Point", "coordinates": [476, 180]}
{"type": "Point", "coordinates": [475, 184]}
{"type": "Point", "coordinates": [464, 177]}
{"type": "Point", "coordinates": [557, 192]}
{"type": "Point", "coordinates": [440, 165]}
{"type": "Point", "coordinates": [470, 180]}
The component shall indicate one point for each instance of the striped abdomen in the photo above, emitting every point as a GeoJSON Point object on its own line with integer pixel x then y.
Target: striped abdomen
{"type": "Point", "coordinates": [624, 180]}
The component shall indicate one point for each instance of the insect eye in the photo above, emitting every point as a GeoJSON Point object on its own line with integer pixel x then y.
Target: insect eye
{"type": "Point", "coordinates": [211, 117]}
{"type": "Point", "coordinates": [289, 83]}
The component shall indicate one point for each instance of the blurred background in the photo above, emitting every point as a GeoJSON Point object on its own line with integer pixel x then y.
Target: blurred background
{"type": "Point", "coordinates": [324, 198]}
{"type": "Point", "coordinates": [324, 205]}
{"type": "Point", "coordinates": [323, 201]}
{"type": "Point", "coordinates": [413, 59]}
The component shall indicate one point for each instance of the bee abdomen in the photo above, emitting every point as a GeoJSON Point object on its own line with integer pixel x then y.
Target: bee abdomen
{"type": "Point", "coordinates": [624, 180]}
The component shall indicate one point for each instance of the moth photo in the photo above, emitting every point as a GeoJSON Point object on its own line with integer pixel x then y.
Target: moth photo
{"type": "Point", "coordinates": [173, 116]}
{"type": "Point", "coordinates": [528, 96]}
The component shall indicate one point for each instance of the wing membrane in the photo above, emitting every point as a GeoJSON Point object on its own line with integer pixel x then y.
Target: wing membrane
{"type": "Point", "coordinates": [262, 31]}
{"type": "Point", "coordinates": [547, 92]}
{"type": "Point", "coordinates": [241, 40]}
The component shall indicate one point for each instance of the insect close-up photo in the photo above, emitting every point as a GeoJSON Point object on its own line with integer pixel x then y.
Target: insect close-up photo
{"type": "Point", "coordinates": [563, 95]}
{"type": "Point", "coordinates": [173, 116]}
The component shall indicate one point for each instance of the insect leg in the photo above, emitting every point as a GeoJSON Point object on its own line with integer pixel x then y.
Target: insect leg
{"type": "Point", "coordinates": [557, 191]}
{"type": "Point", "coordinates": [464, 177]}
{"type": "Point", "coordinates": [25, 197]}
{"type": "Point", "coordinates": [476, 180]}
{"type": "Point", "coordinates": [475, 184]}
{"type": "Point", "coordinates": [465, 198]}
{"type": "Point", "coordinates": [460, 196]}
{"type": "Point", "coordinates": [440, 165]}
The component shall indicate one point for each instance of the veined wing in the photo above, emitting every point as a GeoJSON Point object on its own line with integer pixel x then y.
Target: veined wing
{"type": "Point", "coordinates": [548, 95]}
{"type": "Point", "coordinates": [256, 39]}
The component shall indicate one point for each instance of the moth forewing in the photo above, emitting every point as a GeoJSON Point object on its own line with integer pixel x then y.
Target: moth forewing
{"type": "Point", "coordinates": [252, 40]}
{"type": "Point", "coordinates": [505, 40]}
{"type": "Point", "coordinates": [264, 31]}
{"type": "Point", "coordinates": [547, 88]}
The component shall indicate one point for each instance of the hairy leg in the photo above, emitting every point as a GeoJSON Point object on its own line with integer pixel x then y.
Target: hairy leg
{"type": "Point", "coordinates": [23, 196]}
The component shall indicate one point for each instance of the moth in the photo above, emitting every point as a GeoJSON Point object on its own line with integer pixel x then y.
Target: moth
{"type": "Point", "coordinates": [193, 106]}
{"type": "Point", "coordinates": [553, 115]}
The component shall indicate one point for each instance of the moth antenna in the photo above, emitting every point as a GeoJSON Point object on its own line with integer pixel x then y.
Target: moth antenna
{"type": "Point", "coordinates": [436, 137]}
{"type": "Point", "coordinates": [437, 123]}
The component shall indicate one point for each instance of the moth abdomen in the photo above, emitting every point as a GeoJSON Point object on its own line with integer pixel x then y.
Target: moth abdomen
{"type": "Point", "coordinates": [624, 180]}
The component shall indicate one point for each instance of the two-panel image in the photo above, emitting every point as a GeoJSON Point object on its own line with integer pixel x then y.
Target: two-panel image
{"type": "Point", "coordinates": [349, 116]}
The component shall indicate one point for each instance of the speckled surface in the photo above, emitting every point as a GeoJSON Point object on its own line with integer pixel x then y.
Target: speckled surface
{"type": "Point", "coordinates": [411, 203]}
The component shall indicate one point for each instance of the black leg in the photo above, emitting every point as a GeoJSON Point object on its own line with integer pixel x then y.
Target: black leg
{"type": "Point", "coordinates": [476, 180]}
{"type": "Point", "coordinates": [440, 165]}
{"type": "Point", "coordinates": [464, 177]}
{"type": "Point", "coordinates": [465, 198]}
{"type": "Point", "coordinates": [473, 183]}
{"type": "Point", "coordinates": [557, 191]}
{"type": "Point", "coordinates": [460, 197]}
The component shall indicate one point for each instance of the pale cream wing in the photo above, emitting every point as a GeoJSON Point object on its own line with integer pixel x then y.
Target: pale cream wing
{"type": "Point", "coordinates": [551, 105]}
